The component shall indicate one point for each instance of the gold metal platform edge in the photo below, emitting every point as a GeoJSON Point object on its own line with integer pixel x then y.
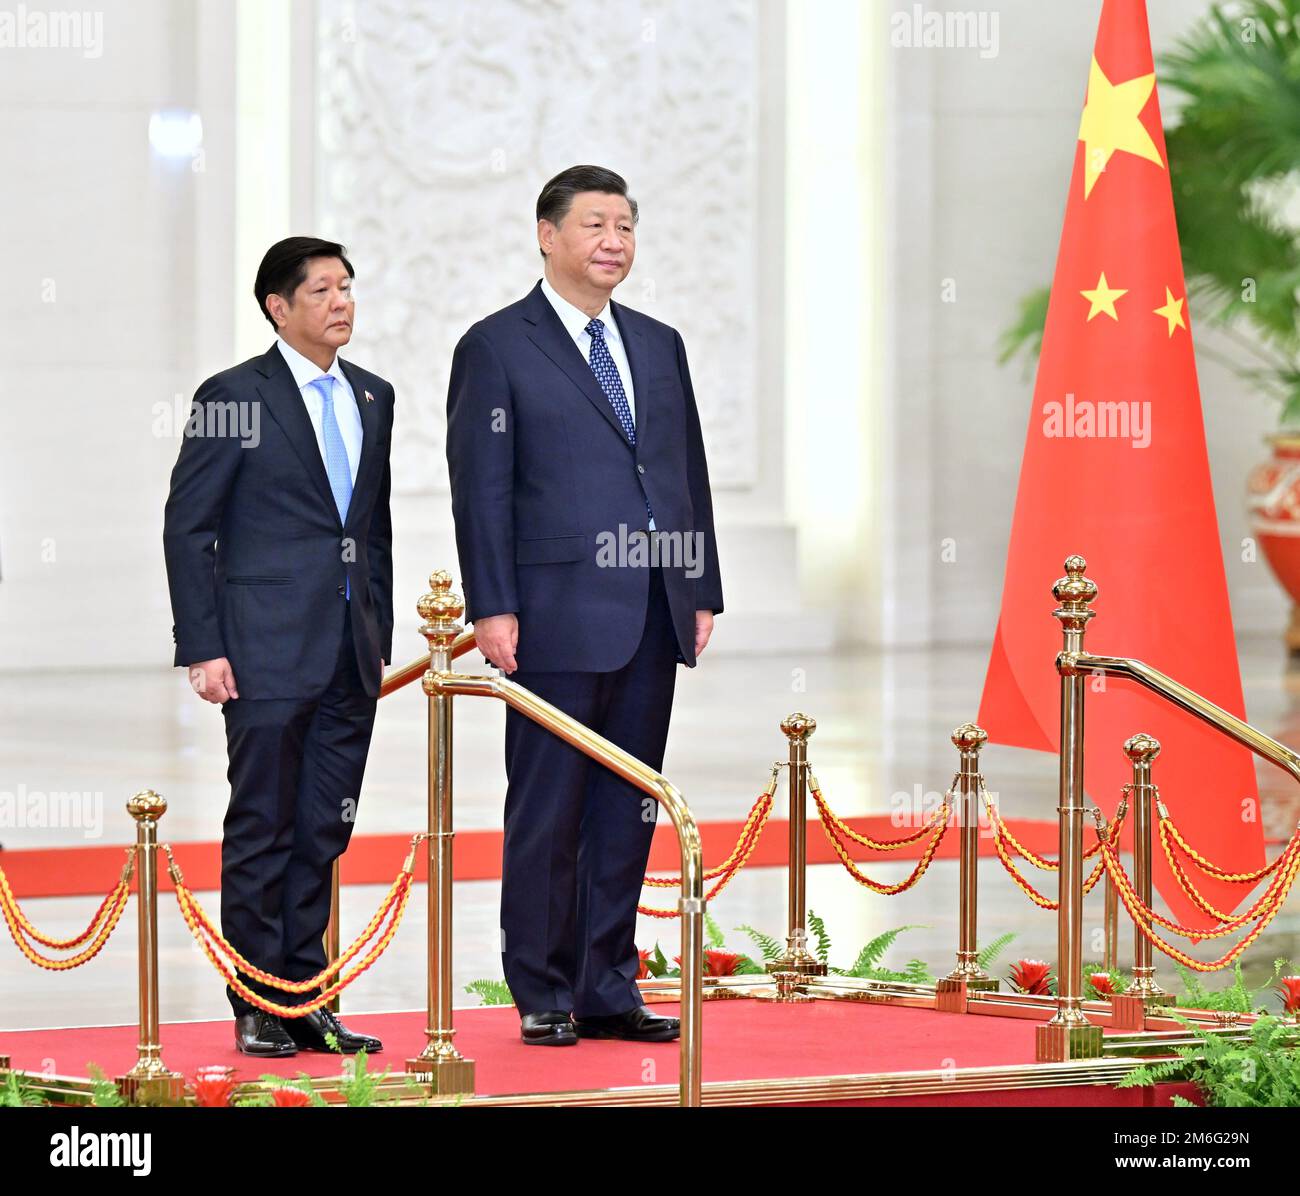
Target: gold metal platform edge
{"type": "Point", "coordinates": [789, 1090]}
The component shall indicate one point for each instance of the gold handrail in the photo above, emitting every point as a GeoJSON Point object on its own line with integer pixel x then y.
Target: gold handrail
{"type": "Point", "coordinates": [613, 757]}
{"type": "Point", "coordinates": [398, 678]}
{"type": "Point", "coordinates": [1069, 1034]}
{"type": "Point", "coordinates": [1192, 702]}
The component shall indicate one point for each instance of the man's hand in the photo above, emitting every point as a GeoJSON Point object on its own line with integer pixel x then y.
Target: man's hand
{"type": "Point", "coordinates": [497, 637]}
{"type": "Point", "coordinates": [213, 680]}
{"type": "Point", "coordinates": [703, 629]}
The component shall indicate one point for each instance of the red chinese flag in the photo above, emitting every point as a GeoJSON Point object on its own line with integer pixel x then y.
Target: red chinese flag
{"type": "Point", "coordinates": [1115, 469]}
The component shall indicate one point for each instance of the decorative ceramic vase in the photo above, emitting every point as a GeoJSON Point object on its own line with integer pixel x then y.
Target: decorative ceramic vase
{"type": "Point", "coordinates": [1274, 504]}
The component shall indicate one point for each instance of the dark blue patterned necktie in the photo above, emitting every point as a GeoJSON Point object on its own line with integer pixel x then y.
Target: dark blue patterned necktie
{"type": "Point", "coordinates": [602, 365]}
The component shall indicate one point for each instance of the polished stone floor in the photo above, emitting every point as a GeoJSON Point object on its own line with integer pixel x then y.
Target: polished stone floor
{"type": "Point", "coordinates": [883, 726]}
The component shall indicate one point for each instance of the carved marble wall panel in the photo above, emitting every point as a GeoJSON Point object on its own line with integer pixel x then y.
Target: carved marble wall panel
{"type": "Point", "coordinates": [439, 120]}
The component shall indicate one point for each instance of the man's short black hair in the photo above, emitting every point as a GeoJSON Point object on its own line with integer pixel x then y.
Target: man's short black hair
{"type": "Point", "coordinates": [556, 199]}
{"type": "Point", "coordinates": [284, 268]}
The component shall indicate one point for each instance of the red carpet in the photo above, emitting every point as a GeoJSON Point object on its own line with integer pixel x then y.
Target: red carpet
{"type": "Point", "coordinates": [375, 859]}
{"type": "Point", "coordinates": [743, 1040]}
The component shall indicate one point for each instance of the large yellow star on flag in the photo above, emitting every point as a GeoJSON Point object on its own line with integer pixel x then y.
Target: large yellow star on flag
{"type": "Point", "coordinates": [1110, 122]}
{"type": "Point", "coordinates": [1172, 311]}
{"type": "Point", "coordinates": [1102, 299]}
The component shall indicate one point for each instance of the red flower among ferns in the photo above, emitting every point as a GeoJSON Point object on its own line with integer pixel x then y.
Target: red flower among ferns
{"type": "Point", "coordinates": [1288, 988]}
{"type": "Point", "coordinates": [721, 963]}
{"type": "Point", "coordinates": [1102, 984]}
{"type": "Point", "coordinates": [643, 968]}
{"type": "Point", "coordinates": [289, 1098]}
{"type": "Point", "coordinates": [1030, 976]}
{"type": "Point", "coordinates": [212, 1087]}
{"type": "Point", "coordinates": [716, 963]}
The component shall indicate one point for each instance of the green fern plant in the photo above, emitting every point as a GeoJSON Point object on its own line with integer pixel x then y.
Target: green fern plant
{"type": "Point", "coordinates": [16, 1093]}
{"type": "Point", "coordinates": [1262, 1071]}
{"type": "Point", "coordinates": [104, 1093]}
{"type": "Point", "coordinates": [360, 1085]}
{"type": "Point", "coordinates": [490, 992]}
{"type": "Point", "coordinates": [822, 937]}
{"type": "Point", "coordinates": [1235, 998]}
{"type": "Point", "coordinates": [989, 953]}
{"type": "Point", "coordinates": [769, 948]}
{"type": "Point", "coordinates": [867, 965]}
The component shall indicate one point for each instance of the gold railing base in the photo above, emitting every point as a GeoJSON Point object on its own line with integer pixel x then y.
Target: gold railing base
{"type": "Point", "coordinates": [802, 965]}
{"type": "Point", "coordinates": [445, 1077]}
{"type": "Point", "coordinates": [950, 992]}
{"type": "Point", "coordinates": [787, 988]}
{"type": "Point", "coordinates": [151, 1088]}
{"type": "Point", "coordinates": [1129, 1011]}
{"type": "Point", "coordinates": [1056, 1043]}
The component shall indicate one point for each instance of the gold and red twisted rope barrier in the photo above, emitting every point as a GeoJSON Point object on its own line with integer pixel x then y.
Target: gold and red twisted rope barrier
{"type": "Point", "coordinates": [1002, 836]}
{"type": "Point", "coordinates": [757, 819]}
{"type": "Point", "coordinates": [229, 962]}
{"type": "Point", "coordinates": [837, 831]}
{"type": "Point", "coordinates": [1276, 891]}
{"type": "Point", "coordinates": [101, 926]}
{"type": "Point", "coordinates": [1270, 903]}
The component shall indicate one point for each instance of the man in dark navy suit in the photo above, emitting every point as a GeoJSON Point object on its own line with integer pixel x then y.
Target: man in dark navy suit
{"type": "Point", "coordinates": [584, 527]}
{"type": "Point", "coordinates": [279, 560]}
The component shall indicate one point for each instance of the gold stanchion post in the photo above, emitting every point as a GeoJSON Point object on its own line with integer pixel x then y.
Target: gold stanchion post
{"type": "Point", "coordinates": [1110, 927]}
{"type": "Point", "coordinates": [1069, 1034]}
{"type": "Point", "coordinates": [149, 1081]}
{"type": "Point", "coordinates": [448, 1070]}
{"type": "Point", "coordinates": [950, 992]}
{"type": "Point", "coordinates": [1142, 995]}
{"type": "Point", "coordinates": [797, 960]}
{"type": "Point", "coordinates": [332, 928]}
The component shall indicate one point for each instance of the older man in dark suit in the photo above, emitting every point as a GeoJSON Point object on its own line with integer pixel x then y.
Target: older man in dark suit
{"type": "Point", "coordinates": [584, 527]}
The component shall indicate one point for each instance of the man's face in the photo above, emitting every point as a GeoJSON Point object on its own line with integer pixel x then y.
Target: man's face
{"type": "Point", "coordinates": [594, 243]}
{"type": "Point", "coordinates": [322, 309]}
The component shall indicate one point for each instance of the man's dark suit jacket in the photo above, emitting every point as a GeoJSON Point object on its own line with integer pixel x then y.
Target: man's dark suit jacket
{"type": "Point", "coordinates": [257, 559]}
{"type": "Point", "coordinates": [541, 467]}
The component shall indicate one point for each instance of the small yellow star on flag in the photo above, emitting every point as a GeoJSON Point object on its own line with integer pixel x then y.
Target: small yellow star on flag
{"type": "Point", "coordinates": [1172, 311]}
{"type": "Point", "coordinates": [1102, 299]}
{"type": "Point", "coordinates": [1111, 121]}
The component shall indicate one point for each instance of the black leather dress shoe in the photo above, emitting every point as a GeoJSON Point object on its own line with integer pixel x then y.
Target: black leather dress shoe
{"type": "Point", "coordinates": [259, 1033]}
{"type": "Point", "coordinates": [552, 1028]}
{"type": "Point", "coordinates": [638, 1025]}
{"type": "Point", "coordinates": [309, 1033]}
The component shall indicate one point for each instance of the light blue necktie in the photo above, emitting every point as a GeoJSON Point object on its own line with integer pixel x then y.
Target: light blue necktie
{"type": "Point", "coordinates": [602, 365]}
{"type": "Point", "coordinates": [337, 466]}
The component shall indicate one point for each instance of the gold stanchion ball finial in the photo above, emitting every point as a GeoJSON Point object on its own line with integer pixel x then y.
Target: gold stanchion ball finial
{"type": "Point", "coordinates": [1142, 748]}
{"type": "Point", "coordinates": [1074, 592]}
{"type": "Point", "coordinates": [440, 608]}
{"type": "Point", "coordinates": [798, 726]}
{"type": "Point", "coordinates": [146, 806]}
{"type": "Point", "coordinates": [969, 737]}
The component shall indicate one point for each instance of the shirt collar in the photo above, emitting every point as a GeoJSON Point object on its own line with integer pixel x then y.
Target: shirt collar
{"type": "Point", "coordinates": [574, 319]}
{"type": "Point", "coordinates": [306, 372]}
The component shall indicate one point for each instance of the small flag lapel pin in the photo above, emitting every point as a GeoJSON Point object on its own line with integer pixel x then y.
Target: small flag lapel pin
{"type": "Point", "coordinates": [369, 397]}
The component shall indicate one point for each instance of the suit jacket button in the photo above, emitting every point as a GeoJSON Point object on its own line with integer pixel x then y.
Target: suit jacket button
{"type": "Point", "coordinates": [342, 591]}
{"type": "Point", "coordinates": [640, 469]}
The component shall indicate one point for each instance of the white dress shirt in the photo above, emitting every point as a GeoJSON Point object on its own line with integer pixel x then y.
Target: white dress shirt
{"type": "Point", "coordinates": [346, 411]}
{"type": "Point", "coordinates": [575, 322]}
